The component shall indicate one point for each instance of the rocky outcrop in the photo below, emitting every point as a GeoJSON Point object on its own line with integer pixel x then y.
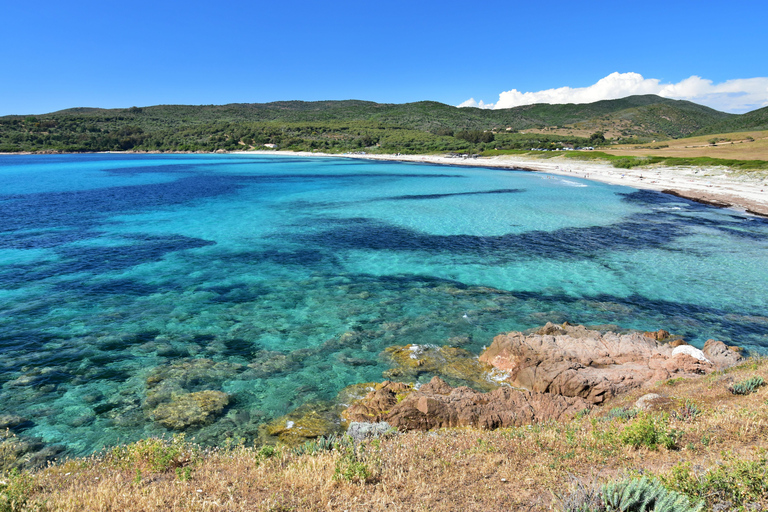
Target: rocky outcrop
{"type": "Point", "coordinates": [309, 421]}
{"type": "Point", "coordinates": [574, 361]}
{"type": "Point", "coordinates": [457, 365]}
{"type": "Point", "coordinates": [437, 404]}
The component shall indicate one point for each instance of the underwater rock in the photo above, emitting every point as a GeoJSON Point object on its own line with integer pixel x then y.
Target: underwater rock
{"type": "Point", "coordinates": [11, 421]}
{"type": "Point", "coordinates": [167, 381]}
{"type": "Point", "coordinates": [452, 363]}
{"type": "Point", "coordinates": [355, 392]}
{"type": "Point", "coordinates": [190, 409]}
{"type": "Point", "coordinates": [575, 361]}
{"type": "Point", "coordinates": [20, 452]}
{"type": "Point", "coordinates": [309, 421]}
{"type": "Point", "coordinates": [437, 405]}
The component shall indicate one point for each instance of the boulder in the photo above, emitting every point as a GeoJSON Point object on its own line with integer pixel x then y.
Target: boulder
{"type": "Point", "coordinates": [722, 355]}
{"type": "Point", "coordinates": [359, 430]}
{"type": "Point", "coordinates": [578, 362]}
{"type": "Point", "coordinates": [437, 404]}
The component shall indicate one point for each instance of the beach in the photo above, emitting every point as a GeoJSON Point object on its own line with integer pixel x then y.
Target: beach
{"type": "Point", "coordinates": [717, 186]}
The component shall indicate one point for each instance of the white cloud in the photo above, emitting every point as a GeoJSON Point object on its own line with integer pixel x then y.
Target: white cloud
{"type": "Point", "coordinates": [472, 103]}
{"type": "Point", "coordinates": [738, 95]}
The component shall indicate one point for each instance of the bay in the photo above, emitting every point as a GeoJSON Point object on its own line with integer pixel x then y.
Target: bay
{"type": "Point", "coordinates": [279, 279]}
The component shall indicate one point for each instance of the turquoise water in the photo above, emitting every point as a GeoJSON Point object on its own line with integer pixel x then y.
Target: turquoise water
{"type": "Point", "coordinates": [293, 274]}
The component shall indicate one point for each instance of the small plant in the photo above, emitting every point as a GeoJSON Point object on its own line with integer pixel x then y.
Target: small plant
{"type": "Point", "coordinates": [748, 386]}
{"type": "Point", "coordinates": [624, 413]}
{"type": "Point", "coordinates": [323, 444]}
{"type": "Point", "coordinates": [631, 495]}
{"type": "Point", "coordinates": [732, 485]}
{"type": "Point", "coordinates": [688, 413]}
{"type": "Point", "coordinates": [267, 451]}
{"type": "Point", "coordinates": [154, 454]}
{"type": "Point", "coordinates": [352, 465]}
{"type": "Point", "coordinates": [184, 474]}
{"type": "Point", "coordinates": [15, 488]}
{"type": "Point", "coordinates": [650, 432]}
{"type": "Point", "coordinates": [645, 495]}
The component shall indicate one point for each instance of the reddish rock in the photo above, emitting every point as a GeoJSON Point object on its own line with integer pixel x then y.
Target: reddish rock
{"type": "Point", "coordinates": [659, 335]}
{"type": "Point", "coordinates": [577, 362]}
{"type": "Point", "coordinates": [721, 355]}
{"type": "Point", "coordinates": [437, 405]}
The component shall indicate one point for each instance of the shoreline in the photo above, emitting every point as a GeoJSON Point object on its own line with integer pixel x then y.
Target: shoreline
{"type": "Point", "coordinates": [714, 186]}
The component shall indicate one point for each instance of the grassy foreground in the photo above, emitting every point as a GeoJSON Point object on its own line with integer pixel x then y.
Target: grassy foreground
{"type": "Point", "coordinates": [705, 441]}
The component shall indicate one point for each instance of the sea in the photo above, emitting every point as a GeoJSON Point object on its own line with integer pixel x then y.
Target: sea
{"type": "Point", "coordinates": [279, 280]}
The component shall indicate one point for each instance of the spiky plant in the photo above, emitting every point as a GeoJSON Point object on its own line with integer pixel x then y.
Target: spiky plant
{"type": "Point", "coordinates": [748, 386]}
{"type": "Point", "coordinates": [645, 495]}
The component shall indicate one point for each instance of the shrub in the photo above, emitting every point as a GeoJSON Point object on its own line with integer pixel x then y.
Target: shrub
{"type": "Point", "coordinates": [650, 432]}
{"type": "Point", "coordinates": [731, 485]}
{"type": "Point", "coordinates": [746, 387]}
{"type": "Point", "coordinates": [15, 488]}
{"type": "Point", "coordinates": [154, 454]}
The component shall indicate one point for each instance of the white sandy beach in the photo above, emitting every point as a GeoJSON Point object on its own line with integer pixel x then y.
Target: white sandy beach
{"type": "Point", "coordinates": [712, 185]}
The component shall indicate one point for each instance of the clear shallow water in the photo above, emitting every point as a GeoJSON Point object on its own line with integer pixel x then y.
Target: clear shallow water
{"type": "Point", "coordinates": [295, 273]}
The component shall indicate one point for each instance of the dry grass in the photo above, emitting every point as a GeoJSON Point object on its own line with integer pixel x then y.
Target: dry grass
{"type": "Point", "coordinates": [737, 146]}
{"type": "Point", "coordinates": [461, 469]}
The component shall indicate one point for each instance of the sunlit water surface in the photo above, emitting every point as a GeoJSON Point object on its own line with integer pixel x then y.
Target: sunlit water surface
{"type": "Point", "coordinates": [297, 272]}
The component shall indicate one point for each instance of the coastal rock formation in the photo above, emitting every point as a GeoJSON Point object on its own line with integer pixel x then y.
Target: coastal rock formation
{"type": "Point", "coordinates": [437, 404]}
{"type": "Point", "coordinates": [309, 421]}
{"type": "Point", "coordinates": [721, 355]}
{"type": "Point", "coordinates": [574, 361]}
{"type": "Point", "coordinates": [455, 364]}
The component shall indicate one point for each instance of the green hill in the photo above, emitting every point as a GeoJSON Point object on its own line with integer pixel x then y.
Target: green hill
{"type": "Point", "coordinates": [339, 126]}
{"type": "Point", "coordinates": [755, 120]}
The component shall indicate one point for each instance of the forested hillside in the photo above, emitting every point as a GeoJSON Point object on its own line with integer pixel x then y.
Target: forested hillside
{"type": "Point", "coordinates": [342, 126]}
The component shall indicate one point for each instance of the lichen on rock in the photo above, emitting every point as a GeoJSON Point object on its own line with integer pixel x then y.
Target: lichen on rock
{"type": "Point", "coordinates": [309, 421]}
{"type": "Point", "coordinates": [452, 363]}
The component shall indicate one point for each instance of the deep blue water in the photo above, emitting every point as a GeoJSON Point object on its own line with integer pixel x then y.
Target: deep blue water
{"type": "Point", "coordinates": [295, 273]}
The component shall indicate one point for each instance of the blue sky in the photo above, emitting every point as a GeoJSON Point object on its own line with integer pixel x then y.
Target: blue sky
{"type": "Point", "coordinates": [118, 54]}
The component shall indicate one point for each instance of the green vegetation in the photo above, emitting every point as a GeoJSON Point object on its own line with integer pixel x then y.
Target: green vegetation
{"type": "Point", "coordinates": [748, 386]}
{"type": "Point", "coordinates": [650, 432]}
{"type": "Point", "coordinates": [348, 126]}
{"type": "Point", "coordinates": [15, 488]}
{"type": "Point", "coordinates": [733, 484]}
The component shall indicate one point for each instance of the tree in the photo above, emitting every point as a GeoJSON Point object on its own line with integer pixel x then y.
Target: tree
{"type": "Point", "coordinates": [597, 139]}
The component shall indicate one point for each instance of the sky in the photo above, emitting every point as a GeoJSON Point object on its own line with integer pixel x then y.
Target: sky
{"type": "Point", "coordinates": [490, 54]}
